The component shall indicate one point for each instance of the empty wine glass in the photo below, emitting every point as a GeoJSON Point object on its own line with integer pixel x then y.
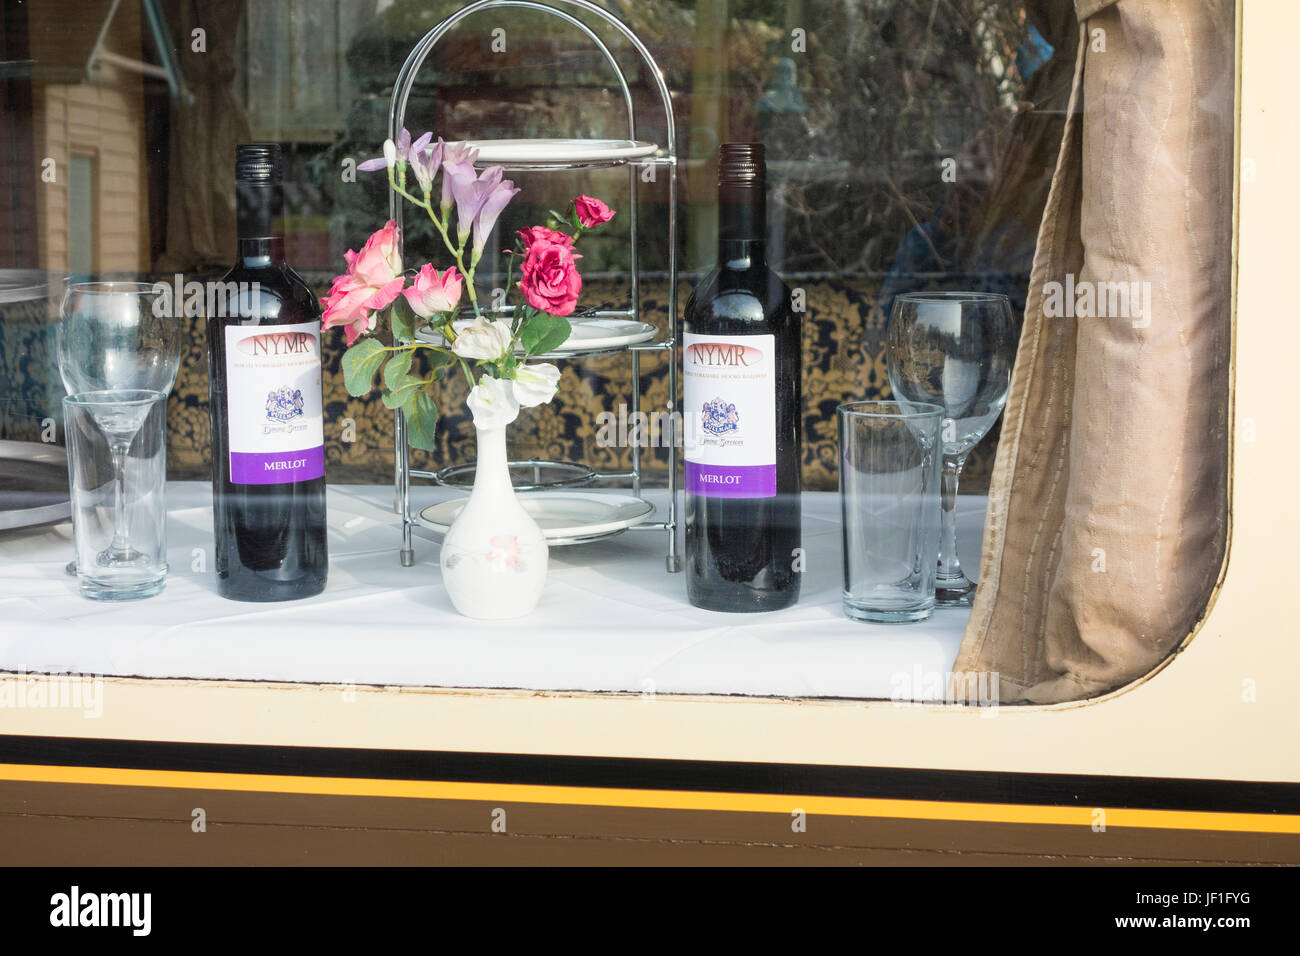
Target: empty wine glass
{"type": "Point", "coordinates": [953, 349]}
{"type": "Point", "coordinates": [114, 336]}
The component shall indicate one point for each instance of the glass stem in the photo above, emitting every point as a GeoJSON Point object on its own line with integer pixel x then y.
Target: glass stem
{"type": "Point", "coordinates": [120, 543]}
{"type": "Point", "coordinates": [949, 564]}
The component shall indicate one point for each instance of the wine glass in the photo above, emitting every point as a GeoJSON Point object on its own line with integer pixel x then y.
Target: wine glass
{"type": "Point", "coordinates": [953, 349]}
{"type": "Point", "coordinates": [118, 336]}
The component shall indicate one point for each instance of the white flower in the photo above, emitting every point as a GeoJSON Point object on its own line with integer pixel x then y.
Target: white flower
{"type": "Point", "coordinates": [536, 384]}
{"type": "Point", "coordinates": [482, 339]}
{"type": "Point", "coordinates": [493, 403]}
{"type": "Point", "coordinates": [390, 153]}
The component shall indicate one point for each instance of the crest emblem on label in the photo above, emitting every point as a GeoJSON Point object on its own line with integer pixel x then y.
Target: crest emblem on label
{"type": "Point", "coordinates": [284, 404]}
{"type": "Point", "coordinates": [719, 417]}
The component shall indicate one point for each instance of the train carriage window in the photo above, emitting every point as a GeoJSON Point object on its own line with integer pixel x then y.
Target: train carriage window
{"type": "Point", "coordinates": [1075, 156]}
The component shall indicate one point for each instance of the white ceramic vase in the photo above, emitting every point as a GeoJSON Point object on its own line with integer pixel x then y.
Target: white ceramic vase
{"type": "Point", "coordinates": [494, 555]}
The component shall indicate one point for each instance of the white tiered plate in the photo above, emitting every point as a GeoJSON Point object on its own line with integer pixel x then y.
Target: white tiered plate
{"type": "Point", "coordinates": [33, 484]}
{"type": "Point", "coordinates": [565, 517]}
{"type": "Point", "coordinates": [586, 334]}
{"type": "Point", "coordinates": [558, 152]}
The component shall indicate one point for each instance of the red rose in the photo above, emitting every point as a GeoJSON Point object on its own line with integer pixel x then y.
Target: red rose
{"type": "Point", "coordinates": [592, 212]}
{"type": "Point", "coordinates": [534, 233]}
{"type": "Point", "coordinates": [549, 276]}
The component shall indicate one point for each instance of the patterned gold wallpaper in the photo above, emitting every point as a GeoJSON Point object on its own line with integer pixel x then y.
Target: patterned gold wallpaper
{"type": "Point", "coordinates": [844, 360]}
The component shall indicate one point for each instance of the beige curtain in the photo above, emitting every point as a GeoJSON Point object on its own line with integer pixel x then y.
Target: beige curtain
{"type": "Point", "coordinates": [201, 160]}
{"type": "Point", "coordinates": [1108, 502]}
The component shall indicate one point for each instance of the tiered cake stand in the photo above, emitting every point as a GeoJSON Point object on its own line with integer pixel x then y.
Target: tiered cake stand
{"type": "Point", "coordinates": [597, 332]}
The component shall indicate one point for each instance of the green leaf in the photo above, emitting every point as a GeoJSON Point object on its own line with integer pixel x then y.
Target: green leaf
{"type": "Point", "coordinates": [399, 393]}
{"type": "Point", "coordinates": [523, 312]}
{"type": "Point", "coordinates": [397, 368]}
{"type": "Point", "coordinates": [421, 414]}
{"type": "Point", "coordinates": [574, 221]}
{"type": "Point", "coordinates": [360, 363]}
{"type": "Point", "coordinates": [402, 319]}
{"type": "Point", "coordinates": [437, 359]}
{"type": "Point", "coordinates": [544, 332]}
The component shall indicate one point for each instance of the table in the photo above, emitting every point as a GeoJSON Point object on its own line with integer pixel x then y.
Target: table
{"type": "Point", "coordinates": [611, 618]}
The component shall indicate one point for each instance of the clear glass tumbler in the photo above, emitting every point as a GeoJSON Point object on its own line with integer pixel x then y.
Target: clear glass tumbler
{"type": "Point", "coordinates": [117, 470]}
{"type": "Point", "coordinates": [891, 458]}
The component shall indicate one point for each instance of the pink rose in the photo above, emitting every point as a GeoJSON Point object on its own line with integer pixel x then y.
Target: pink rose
{"type": "Point", "coordinates": [549, 277]}
{"type": "Point", "coordinates": [431, 293]}
{"type": "Point", "coordinates": [378, 262]}
{"type": "Point", "coordinates": [592, 212]}
{"type": "Point", "coordinates": [373, 280]}
{"type": "Point", "coordinates": [534, 233]}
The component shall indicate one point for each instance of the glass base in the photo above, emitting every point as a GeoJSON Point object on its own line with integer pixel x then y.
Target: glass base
{"type": "Point", "coordinates": [876, 615]}
{"type": "Point", "coordinates": [105, 591]}
{"type": "Point", "coordinates": [959, 593]}
{"type": "Point", "coordinates": [122, 558]}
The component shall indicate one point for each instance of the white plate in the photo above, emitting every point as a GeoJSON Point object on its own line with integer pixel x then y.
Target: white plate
{"type": "Point", "coordinates": [33, 484]}
{"type": "Point", "coordinates": [585, 334]}
{"type": "Point", "coordinates": [563, 516]}
{"type": "Point", "coordinates": [558, 151]}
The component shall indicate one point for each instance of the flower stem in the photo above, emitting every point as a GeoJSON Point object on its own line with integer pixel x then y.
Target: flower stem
{"type": "Point", "coordinates": [464, 367]}
{"type": "Point", "coordinates": [441, 226]}
{"type": "Point", "coordinates": [510, 268]}
{"type": "Point", "coordinates": [415, 345]}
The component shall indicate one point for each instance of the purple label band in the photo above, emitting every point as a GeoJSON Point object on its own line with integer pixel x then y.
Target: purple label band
{"type": "Point", "coordinates": [731, 481]}
{"type": "Point", "coordinates": [278, 467]}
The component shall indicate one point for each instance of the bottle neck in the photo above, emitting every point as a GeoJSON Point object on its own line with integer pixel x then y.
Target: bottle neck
{"type": "Point", "coordinates": [258, 209]}
{"type": "Point", "coordinates": [261, 253]}
{"type": "Point", "coordinates": [742, 227]}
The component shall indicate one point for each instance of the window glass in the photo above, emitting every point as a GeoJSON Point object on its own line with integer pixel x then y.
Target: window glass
{"type": "Point", "coordinates": [910, 145]}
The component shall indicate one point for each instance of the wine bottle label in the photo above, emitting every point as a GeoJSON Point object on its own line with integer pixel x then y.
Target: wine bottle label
{"type": "Point", "coordinates": [729, 394]}
{"type": "Point", "coordinates": [273, 403]}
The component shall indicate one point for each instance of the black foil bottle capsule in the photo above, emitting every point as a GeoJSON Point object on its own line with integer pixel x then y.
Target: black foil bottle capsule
{"type": "Point", "coordinates": [741, 377]}
{"type": "Point", "coordinates": [264, 374]}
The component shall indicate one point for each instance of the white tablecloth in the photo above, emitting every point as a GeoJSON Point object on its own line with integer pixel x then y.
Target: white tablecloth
{"type": "Point", "coordinates": [612, 619]}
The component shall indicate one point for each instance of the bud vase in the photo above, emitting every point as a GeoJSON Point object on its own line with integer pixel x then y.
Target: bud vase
{"type": "Point", "coordinates": [494, 555]}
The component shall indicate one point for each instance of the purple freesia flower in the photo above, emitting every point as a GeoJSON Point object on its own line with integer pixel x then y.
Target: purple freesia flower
{"type": "Point", "coordinates": [425, 162]}
{"type": "Point", "coordinates": [457, 164]}
{"type": "Point", "coordinates": [403, 149]}
{"type": "Point", "coordinates": [497, 199]}
{"type": "Point", "coordinates": [470, 193]}
{"type": "Point", "coordinates": [479, 203]}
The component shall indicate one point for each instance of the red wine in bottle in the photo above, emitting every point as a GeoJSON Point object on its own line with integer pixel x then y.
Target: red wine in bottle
{"type": "Point", "coordinates": [741, 367]}
{"type": "Point", "coordinates": [264, 374]}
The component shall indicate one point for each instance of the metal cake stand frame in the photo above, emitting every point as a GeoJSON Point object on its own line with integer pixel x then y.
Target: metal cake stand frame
{"type": "Point", "coordinates": [538, 474]}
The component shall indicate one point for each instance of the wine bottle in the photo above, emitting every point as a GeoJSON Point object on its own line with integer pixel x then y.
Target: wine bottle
{"type": "Point", "coordinates": [264, 374]}
{"type": "Point", "coordinates": [741, 367]}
